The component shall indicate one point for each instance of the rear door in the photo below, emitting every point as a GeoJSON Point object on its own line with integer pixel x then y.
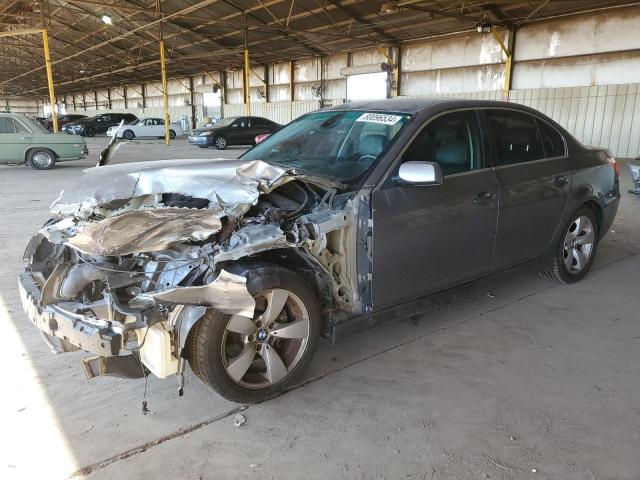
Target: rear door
{"type": "Point", "coordinates": [428, 238]}
{"type": "Point", "coordinates": [157, 127]}
{"type": "Point", "coordinates": [260, 126]}
{"type": "Point", "coordinates": [533, 172]}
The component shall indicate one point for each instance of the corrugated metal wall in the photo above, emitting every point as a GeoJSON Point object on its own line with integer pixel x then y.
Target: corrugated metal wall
{"type": "Point", "coordinates": [280, 112]}
{"type": "Point", "coordinates": [581, 70]}
{"type": "Point", "coordinates": [604, 115]}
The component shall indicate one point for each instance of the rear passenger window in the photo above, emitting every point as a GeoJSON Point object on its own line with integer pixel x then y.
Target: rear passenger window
{"type": "Point", "coordinates": [516, 136]}
{"type": "Point", "coordinates": [6, 125]}
{"type": "Point", "coordinates": [552, 141]}
{"type": "Point", "coordinates": [451, 140]}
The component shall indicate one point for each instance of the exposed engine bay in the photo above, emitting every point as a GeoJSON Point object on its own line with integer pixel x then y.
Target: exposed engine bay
{"type": "Point", "coordinates": [140, 251]}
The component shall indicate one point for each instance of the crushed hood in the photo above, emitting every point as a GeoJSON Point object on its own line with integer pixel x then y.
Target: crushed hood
{"type": "Point", "coordinates": [231, 186]}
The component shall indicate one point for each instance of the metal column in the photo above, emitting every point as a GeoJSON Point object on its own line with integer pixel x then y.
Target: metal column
{"type": "Point", "coordinates": [508, 66]}
{"type": "Point", "coordinates": [247, 85]}
{"type": "Point", "coordinates": [52, 96]}
{"type": "Point", "coordinates": [163, 67]}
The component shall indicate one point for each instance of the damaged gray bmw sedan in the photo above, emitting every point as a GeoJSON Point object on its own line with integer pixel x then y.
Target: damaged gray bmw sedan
{"type": "Point", "coordinates": [240, 267]}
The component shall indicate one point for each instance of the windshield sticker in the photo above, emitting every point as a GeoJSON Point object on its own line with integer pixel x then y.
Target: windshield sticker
{"type": "Point", "coordinates": [379, 118]}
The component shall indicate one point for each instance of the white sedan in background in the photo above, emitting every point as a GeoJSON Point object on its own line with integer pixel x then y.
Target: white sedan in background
{"type": "Point", "coordinates": [147, 127]}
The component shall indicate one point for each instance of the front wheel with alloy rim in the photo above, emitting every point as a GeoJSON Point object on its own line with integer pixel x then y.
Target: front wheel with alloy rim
{"type": "Point", "coordinates": [576, 248]}
{"type": "Point", "coordinates": [89, 132]}
{"type": "Point", "coordinates": [128, 135]}
{"type": "Point", "coordinates": [249, 360]}
{"type": "Point", "coordinates": [41, 159]}
{"type": "Point", "coordinates": [220, 142]}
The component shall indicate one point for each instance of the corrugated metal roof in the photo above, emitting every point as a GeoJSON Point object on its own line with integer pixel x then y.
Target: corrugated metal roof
{"type": "Point", "coordinates": [208, 35]}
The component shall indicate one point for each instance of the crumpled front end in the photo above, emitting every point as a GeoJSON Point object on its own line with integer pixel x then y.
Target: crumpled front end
{"type": "Point", "coordinates": [136, 253]}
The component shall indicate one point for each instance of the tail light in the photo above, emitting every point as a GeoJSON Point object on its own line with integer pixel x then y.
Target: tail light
{"type": "Point", "coordinates": [614, 164]}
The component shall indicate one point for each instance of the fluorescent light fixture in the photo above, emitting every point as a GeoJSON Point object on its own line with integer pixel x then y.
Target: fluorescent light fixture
{"type": "Point", "coordinates": [483, 27]}
{"type": "Point", "coordinates": [389, 7]}
{"type": "Point", "coordinates": [106, 19]}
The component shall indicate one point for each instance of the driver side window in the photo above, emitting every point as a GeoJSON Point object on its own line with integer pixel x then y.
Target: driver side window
{"type": "Point", "coordinates": [451, 140]}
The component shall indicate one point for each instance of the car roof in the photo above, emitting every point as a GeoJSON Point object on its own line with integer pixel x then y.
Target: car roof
{"type": "Point", "coordinates": [415, 105]}
{"type": "Point", "coordinates": [11, 114]}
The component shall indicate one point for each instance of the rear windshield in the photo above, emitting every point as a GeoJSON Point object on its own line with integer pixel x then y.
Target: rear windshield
{"type": "Point", "coordinates": [340, 144]}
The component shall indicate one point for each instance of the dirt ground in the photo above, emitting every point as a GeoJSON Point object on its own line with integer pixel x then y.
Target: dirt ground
{"type": "Point", "coordinates": [513, 377]}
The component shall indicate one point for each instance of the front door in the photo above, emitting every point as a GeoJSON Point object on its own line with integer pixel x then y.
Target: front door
{"type": "Point", "coordinates": [428, 238]}
{"type": "Point", "coordinates": [533, 172]}
{"type": "Point", "coordinates": [13, 138]}
{"type": "Point", "coordinates": [239, 132]}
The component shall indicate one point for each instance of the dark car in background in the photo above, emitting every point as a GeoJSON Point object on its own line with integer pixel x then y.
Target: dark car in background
{"type": "Point", "coordinates": [239, 266]}
{"type": "Point", "coordinates": [232, 131]}
{"type": "Point", "coordinates": [62, 121]}
{"type": "Point", "coordinates": [88, 127]}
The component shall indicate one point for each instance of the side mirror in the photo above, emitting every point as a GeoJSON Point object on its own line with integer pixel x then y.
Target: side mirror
{"type": "Point", "coordinates": [419, 173]}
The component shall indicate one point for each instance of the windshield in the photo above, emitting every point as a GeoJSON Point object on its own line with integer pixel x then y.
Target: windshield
{"type": "Point", "coordinates": [340, 144]}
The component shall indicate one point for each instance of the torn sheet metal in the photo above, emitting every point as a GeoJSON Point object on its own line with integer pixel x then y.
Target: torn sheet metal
{"type": "Point", "coordinates": [227, 293]}
{"type": "Point", "coordinates": [252, 239]}
{"type": "Point", "coordinates": [145, 231]}
{"type": "Point", "coordinates": [231, 186]}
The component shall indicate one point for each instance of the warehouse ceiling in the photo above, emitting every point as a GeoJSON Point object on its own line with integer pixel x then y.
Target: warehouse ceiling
{"type": "Point", "coordinates": [105, 43]}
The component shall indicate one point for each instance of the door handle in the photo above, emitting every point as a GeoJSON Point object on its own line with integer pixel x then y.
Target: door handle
{"type": "Point", "coordinates": [483, 198]}
{"type": "Point", "coordinates": [560, 181]}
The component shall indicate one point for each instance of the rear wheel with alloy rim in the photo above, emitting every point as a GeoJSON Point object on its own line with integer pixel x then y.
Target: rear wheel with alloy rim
{"type": "Point", "coordinates": [576, 249]}
{"type": "Point", "coordinates": [220, 142]}
{"type": "Point", "coordinates": [41, 159]}
{"type": "Point", "coordinates": [252, 359]}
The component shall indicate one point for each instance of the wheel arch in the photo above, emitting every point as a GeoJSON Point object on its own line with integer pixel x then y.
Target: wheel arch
{"type": "Point", "coordinates": [598, 210]}
{"type": "Point", "coordinates": [30, 148]}
{"type": "Point", "coordinates": [266, 264]}
{"type": "Point", "coordinates": [294, 260]}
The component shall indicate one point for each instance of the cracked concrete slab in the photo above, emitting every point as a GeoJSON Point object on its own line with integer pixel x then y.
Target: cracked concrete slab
{"type": "Point", "coordinates": [537, 376]}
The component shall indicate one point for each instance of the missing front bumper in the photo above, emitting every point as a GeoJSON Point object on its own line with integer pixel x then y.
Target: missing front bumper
{"type": "Point", "coordinates": [60, 324]}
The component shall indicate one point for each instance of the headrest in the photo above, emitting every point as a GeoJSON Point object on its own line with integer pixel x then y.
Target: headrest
{"type": "Point", "coordinates": [452, 153]}
{"type": "Point", "coordinates": [372, 145]}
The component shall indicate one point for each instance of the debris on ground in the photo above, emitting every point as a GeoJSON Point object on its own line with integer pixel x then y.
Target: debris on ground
{"type": "Point", "coordinates": [239, 420]}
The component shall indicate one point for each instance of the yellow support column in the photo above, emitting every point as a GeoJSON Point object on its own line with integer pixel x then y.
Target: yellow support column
{"type": "Point", "coordinates": [165, 98]}
{"type": "Point", "coordinates": [163, 68]}
{"type": "Point", "coordinates": [247, 85]}
{"type": "Point", "coordinates": [52, 97]}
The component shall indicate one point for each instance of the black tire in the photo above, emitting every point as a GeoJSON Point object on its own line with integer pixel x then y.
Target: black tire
{"type": "Point", "coordinates": [89, 132]}
{"type": "Point", "coordinates": [205, 345]}
{"type": "Point", "coordinates": [559, 271]}
{"type": "Point", "coordinates": [41, 159]}
{"type": "Point", "coordinates": [220, 142]}
{"type": "Point", "coordinates": [203, 146]}
{"type": "Point", "coordinates": [172, 134]}
{"type": "Point", "coordinates": [128, 135]}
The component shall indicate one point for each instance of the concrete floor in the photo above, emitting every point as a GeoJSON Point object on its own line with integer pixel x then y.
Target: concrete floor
{"type": "Point", "coordinates": [535, 380]}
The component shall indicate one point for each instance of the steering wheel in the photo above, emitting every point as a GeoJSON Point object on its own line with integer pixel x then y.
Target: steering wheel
{"type": "Point", "coordinates": [363, 158]}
